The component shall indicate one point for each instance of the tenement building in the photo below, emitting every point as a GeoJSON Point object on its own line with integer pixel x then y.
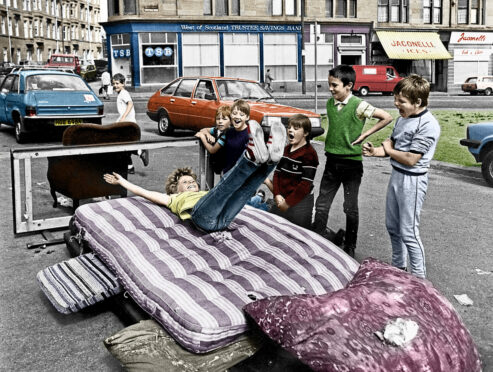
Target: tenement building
{"type": "Point", "coordinates": [31, 30]}
{"type": "Point", "coordinates": [154, 41]}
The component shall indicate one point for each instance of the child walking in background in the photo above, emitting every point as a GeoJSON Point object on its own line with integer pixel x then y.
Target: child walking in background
{"type": "Point", "coordinates": [125, 107]}
{"type": "Point", "coordinates": [214, 139]}
{"type": "Point", "coordinates": [214, 210]}
{"type": "Point", "coordinates": [292, 184]}
{"type": "Point", "coordinates": [347, 115]}
{"type": "Point", "coordinates": [410, 148]}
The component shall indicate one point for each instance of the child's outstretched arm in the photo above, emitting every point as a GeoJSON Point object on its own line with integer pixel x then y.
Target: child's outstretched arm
{"type": "Point", "coordinates": [384, 119]}
{"type": "Point", "coordinates": [153, 196]}
{"type": "Point", "coordinates": [211, 148]}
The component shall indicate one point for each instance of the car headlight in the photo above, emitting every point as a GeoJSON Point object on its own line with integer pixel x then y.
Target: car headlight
{"type": "Point", "coordinates": [269, 120]}
{"type": "Point", "coordinates": [315, 122]}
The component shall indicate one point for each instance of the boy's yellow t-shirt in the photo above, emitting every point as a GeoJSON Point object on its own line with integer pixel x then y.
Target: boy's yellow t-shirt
{"type": "Point", "coordinates": [182, 204]}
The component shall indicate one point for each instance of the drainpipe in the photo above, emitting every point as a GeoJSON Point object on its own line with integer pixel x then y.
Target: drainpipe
{"type": "Point", "coordinates": [303, 78]}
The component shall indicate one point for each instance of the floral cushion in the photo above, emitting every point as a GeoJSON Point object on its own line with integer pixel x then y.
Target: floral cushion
{"type": "Point", "coordinates": [338, 331]}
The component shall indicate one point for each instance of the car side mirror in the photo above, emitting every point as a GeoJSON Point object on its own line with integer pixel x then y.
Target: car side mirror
{"type": "Point", "coordinates": [210, 96]}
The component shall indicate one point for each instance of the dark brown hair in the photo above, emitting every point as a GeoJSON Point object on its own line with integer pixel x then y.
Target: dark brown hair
{"type": "Point", "coordinates": [172, 180]}
{"type": "Point", "coordinates": [414, 87]}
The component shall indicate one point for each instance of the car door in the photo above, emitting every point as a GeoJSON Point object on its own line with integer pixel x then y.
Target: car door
{"type": "Point", "coordinates": [4, 92]}
{"type": "Point", "coordinates": [179, 103]}
{"type": "Point", "coordinates": [203, 105]}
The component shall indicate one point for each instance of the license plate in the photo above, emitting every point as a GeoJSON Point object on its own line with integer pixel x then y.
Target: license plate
{"type": "Point", "coordinates": [61, 122]}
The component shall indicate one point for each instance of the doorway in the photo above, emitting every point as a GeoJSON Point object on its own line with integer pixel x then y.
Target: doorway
{"type": "Point", "coordinates": [351, 59]}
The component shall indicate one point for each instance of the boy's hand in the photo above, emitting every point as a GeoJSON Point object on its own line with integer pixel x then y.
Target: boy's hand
{"type": "Point", "coordinates": [388, 145]}
{"type": "Point", "coordinates": [358, 140]}
{"type": "Point", "coordinates": [281, 203]}
{"type": "Point", "coordinates": [113, 179]}
{"type": "Point", "coordinates": [368, 149]}
{"type": "Point", "coordinates": [210, 138]}
{"type": "Point", "coordinates": [199, 134]}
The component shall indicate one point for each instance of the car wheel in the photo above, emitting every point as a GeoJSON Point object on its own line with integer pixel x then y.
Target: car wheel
{"type": "Point", "coordinates": [164, 124]}
{"type": "Point", "coordinates": [488, 92]}
{"type": "Point", "coordinates": [20, 135]}
{"type": "Point", "coordinates": [363, 91]}
{"type": "Point", "coordinates": [487, 168]}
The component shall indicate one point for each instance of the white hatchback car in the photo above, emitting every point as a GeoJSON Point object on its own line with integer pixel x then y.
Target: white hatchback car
{"type": "Point", "coordinates": [478, 84]}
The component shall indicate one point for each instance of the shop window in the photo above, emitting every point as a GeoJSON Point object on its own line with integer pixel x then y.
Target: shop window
{"type": "Point", "coordinates": [393, 11]}
{"type": "Point", "coordinates": [281, 56]}
{"type": "Point", "coordinates": [329, 11]}
{"type": "Point", "coordinates": [241, 55]}
{"type": "Point", "coordinates": [200, 54]}
{"type": "Point", "coordinates": [325, 53]}
{"type": "Point", "coordinates": [158, 57]}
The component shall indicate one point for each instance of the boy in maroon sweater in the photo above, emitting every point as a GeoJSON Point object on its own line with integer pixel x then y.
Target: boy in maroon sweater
{"type": "Point", "coordinates": [293, 178]}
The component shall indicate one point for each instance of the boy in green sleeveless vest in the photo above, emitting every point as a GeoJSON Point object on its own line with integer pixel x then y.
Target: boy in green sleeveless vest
{"type": "Point", "coordinates": [347, 115]}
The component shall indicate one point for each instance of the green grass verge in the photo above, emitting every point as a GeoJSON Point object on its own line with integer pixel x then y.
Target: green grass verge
{"type": "Point", "coordinates": [453, 125]}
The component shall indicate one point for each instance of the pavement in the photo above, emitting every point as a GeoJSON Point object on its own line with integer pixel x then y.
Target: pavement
{"type": "Point", "coordinates": [455, 227]}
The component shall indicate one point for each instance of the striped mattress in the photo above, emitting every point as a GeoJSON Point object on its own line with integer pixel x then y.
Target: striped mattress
{"type": "Point", "coordinates": [195, 283]}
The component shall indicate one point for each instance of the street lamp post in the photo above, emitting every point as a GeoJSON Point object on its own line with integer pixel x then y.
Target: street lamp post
{"type": "Point", "coordinates": [303, 78]}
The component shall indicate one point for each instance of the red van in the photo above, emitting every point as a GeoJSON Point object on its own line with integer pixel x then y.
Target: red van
{"type": "Point", "coordinates": [65, 60]}
{"type": "Point", "coordinates": [375, 78]}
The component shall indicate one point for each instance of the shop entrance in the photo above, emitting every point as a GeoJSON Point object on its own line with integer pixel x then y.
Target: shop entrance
{"type": "Point", "coordinates": [351, 60]}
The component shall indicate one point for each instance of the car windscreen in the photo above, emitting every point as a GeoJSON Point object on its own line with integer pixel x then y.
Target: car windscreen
{"type": "Point", "coordinates": [55, 82]}
{"type": "Point", "coordinates": [231, 90]}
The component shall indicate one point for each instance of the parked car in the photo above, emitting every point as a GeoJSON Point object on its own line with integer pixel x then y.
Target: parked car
{"type": "Point", "coordinates": [65, 60]}
{"type": "Point", "coordinates": [480, 144]}
{"type": "Point", "coordinates": [88, 72]}
{"type": "Point", "coordinates": [478, 84]}
{"type": "Point", "coordinates": [34, 99]}
{"type": "Point", "coordinates": [375, 78]}
{"type": "Point", "coordinates": [191, 103]}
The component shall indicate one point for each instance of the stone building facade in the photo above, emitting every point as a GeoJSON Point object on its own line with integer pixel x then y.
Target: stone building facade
{"type": "Point", "coordinates": [154, 41]}
{"type": "Point", "coordinates": [31, 30]}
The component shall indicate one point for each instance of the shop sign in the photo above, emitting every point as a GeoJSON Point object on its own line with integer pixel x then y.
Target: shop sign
{"type": "Point", "coordinates": [471, 38]}
{"type": "Point", "coordinates": [239, 28]}
{"type": "Point", "coordinates": [158, 52]}
{"type": "Point", "coordinates": [472, 54]}
{"type": "Point", "coordinates": [121, 53]}
{"type": "Point", "coordinates": [149, 52]}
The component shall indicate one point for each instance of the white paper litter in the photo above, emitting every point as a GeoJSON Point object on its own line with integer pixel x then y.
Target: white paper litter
{"type": "Point", "coordinates": [464, 299]}
{"type": "Point", "coordinates": [482, 272]}
{"type": "Point", "coordinates": [64, 202]}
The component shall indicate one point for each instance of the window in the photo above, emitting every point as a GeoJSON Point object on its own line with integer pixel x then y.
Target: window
{"type": "Point", "coordinates": [475, 13]}
{"type": "Point", "coordinates": [393, 11]}
{"type": "Point", "coordinates": [113, 7]}
{"type": "Point", "coordinates": [170, 89]}
{"type": "Point", "coordinates": [341, 9]}
{"type": "Point", "coordinates": [284, 7]}
{"type": "Point", "coordinates": [4, 28]}
{"type": "Point", "coordinates": [129, 7]}
{"type": "Point", "coordinates": [462, 12]}
{"type": "Point", "coordinates": [280, 55]}
{"type": "Point", "coordinates": [432, 11]}
{"type": "Point", "coordinates": [235, 7]}
{"type": "Point", "coordinates": [185, 88]}
{"type": "Point", "coordinates": [201, 54]}
{"type": "Point", "coordinates": [221, 7]}
{"type": "Point", "coordinates": [204, 90]}
{"type": "Point", "coordinates": [242, 55]}
{"type": "Point", "coordinates": [158, 53]}
{"type": "Point", "coordinates": [207, 7]}
{"type": "Point", "coordinates": [329, 13]}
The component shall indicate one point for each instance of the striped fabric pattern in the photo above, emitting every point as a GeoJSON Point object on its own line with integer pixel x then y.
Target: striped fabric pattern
{"type": "Point", "coordinates": [77, 283]}
{"type": "Point", "coordinates": [194, 283]}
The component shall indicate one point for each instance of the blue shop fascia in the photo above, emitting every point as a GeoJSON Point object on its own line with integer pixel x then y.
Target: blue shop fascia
{"type": "Point", "coordinates": [154, 53]}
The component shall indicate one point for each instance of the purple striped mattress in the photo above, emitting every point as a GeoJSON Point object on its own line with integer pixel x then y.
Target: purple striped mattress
{"type": "Point", "coordinates": [194, 283]}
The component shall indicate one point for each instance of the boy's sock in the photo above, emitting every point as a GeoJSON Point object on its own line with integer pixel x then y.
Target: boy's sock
{"type": "Point", "coordinates": [256, 149]}
{"type": "Point", "coordinates": [277, 141]}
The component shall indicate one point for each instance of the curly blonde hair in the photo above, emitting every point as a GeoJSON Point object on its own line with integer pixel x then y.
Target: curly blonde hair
{"type": "Point", "coordinates": [172, 180]}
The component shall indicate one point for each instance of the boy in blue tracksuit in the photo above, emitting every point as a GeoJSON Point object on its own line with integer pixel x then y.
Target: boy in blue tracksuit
{"type": "Point", "coordinates": [410, 148]}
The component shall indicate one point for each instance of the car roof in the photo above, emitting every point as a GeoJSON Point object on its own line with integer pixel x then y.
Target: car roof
{"type": "Point", "coordinates": [42, 72]}
{"type": "Point", "coordinates": [217, 78]}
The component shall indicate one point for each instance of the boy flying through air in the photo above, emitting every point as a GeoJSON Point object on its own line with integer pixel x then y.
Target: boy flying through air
{"type": "Point", "coordinates": [411, 148]}
{"type": "Point", "coordinates": [215, 209]}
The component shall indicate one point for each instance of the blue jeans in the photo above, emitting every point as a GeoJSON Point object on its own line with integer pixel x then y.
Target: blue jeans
{"type": "Point", "coordinates": [219, 206]}
{"type": "Point", "coordinates": [405, 196]}
{"type": "Point", "coordinates": [349, 174]}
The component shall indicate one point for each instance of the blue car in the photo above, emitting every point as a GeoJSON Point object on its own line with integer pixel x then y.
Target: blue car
{"type": "Point", "coordinates": [34, 99]}
{"type": "Point", "coordinates": [480, 144]}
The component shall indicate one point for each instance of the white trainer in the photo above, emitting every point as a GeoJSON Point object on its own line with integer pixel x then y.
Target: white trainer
{"type": "Point", "coordinates": [277, 141]}
{"type": "Point", "coordinates": [256, 148]}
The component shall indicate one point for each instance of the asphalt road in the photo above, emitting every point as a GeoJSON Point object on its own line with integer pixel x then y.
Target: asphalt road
{"type": "Point", "coordinates": [455, 228]}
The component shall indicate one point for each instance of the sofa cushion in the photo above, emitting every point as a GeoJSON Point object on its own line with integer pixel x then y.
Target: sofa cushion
{"type": "Point", "coordinates": [338, 331]}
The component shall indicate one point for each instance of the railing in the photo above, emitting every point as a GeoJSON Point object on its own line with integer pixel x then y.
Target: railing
{"type": "Point", "coordinates": [22, 189]}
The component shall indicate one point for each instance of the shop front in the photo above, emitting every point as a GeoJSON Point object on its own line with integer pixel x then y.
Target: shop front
{"type": "Point", "coordinates": [156, 53]}
{"type": "Point", "coordinates": [472, 53]}
{"type": "Point", "coordinates": [421, 53]}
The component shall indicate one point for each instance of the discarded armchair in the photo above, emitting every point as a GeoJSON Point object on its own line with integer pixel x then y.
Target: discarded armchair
{"type": "Point", "coordinates": [81, 176]}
